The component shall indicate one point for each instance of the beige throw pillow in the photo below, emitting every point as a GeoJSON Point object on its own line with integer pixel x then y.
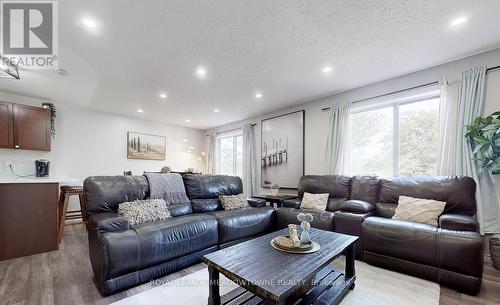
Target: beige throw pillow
{"type": "Point", "coordinates": [419, 210]}
{"type": "Point", "coordinates": [314, 201]}
{"type": "Point", "coordinates": [233, 202]}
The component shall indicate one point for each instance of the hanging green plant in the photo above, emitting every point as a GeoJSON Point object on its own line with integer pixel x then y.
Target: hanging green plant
{"type": "Point", "coordinates": [484, 136]}
{"type": "Point", "coordinates": [52, 109]}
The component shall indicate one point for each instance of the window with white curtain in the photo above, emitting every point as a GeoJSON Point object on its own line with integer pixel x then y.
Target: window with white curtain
{"type": "Point", "coordinates": [229, 153]}
{"type": "Point", "coordinates": [396, 135]}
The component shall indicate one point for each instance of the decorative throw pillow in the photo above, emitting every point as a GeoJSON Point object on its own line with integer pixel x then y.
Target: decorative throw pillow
{"type": "Point", "coordinates": [419, 210]}
{"type": "Point", "coordinates": [142, 211]}
{"type": "Point", "coordinates": [314, 201]}
{"type": "Point", "coordinates": [233, 202]}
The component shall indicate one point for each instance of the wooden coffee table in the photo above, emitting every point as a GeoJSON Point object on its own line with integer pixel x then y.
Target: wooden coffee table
{"type": "Point", "coordinates": [268, 276]}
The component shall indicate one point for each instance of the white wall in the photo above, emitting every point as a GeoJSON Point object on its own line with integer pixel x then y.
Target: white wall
{"type": "Point", "coordinates": [316, 121]}
{"type": "Point", "coordinates": [94, 143]}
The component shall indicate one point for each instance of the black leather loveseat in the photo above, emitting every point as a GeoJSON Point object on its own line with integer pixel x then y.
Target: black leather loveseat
{"type": "Point", "coordinates": [123, 256]}
{"type": "Point", "coordinates": [450, 254]}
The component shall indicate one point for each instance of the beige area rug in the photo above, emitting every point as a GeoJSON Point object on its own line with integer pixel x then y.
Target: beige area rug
{"type": "Point", "coordinates": [374, 286]}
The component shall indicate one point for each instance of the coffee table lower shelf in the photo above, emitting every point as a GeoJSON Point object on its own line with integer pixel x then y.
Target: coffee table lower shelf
{"type": "Point", "coordinates": [329, 289]}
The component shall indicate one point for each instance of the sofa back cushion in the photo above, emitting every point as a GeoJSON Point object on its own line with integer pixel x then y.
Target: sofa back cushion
{"type": "Point", "coordinates": [104, 193]}
{"type": "Point", "coordinates": [365, 188]}
{"type": "Point", "coordinates": [204, 190]}
{"type": "Point", "coordinates": [458, 192]}
{"type": "Point", "coordinates": [337, 186]}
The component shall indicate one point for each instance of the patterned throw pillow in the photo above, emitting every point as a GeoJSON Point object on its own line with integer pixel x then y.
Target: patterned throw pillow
{"type": "Point", "coordinates": [425, 211]}
{"type": "Point", "coordinates": [314, 201]}
{"type": "Point", "coordinates": [142, 211]}
{"type": "Point", "coordinates": [233, 202]}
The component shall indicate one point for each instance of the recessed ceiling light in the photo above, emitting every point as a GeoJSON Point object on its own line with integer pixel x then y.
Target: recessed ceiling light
{"type": "Point", "coordinates": [185, 140]}
{"type": "Point", "coordinates": [140, 110]}
{"type": "Point", "coordinates": [216, 110]}
{"type": "Point", "coordinates": [201, 72]}
{"type": "Point", "coordinates": [163, 95]}
{"type": "Point", "coordinates": [191, 147]}
{"type": "Point", "coordinates": [327, 69]}
{"type": "Point", "coordinates": [458, 21]}
{"type": "Point", "coordinates": [89, 23]}
{"type": "Point", "coordinates": [188, 120]}
{"type": "Point", "coordinates": [258, 95]}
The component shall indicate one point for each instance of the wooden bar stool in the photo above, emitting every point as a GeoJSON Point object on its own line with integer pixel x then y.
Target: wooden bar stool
{"type": "Point", "coordinates": [66, 192]}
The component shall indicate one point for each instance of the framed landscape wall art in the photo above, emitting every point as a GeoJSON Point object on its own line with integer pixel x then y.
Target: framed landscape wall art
{"type": "Point", "coordinates": [146, 146]}
{"type": "Point", "coordinates": [282, 150]}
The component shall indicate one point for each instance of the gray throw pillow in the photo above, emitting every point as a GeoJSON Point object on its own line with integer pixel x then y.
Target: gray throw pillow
{"type": "Point", "coordinates": [233, 202]}
{"type": "Point", "coordinates": [142, 211]}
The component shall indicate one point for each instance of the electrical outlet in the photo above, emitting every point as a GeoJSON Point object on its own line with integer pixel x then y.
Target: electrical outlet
{"type": "Point", "coordinates": [8, 163]}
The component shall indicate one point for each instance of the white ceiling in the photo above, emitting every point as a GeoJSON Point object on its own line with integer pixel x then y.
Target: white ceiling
{"type": "Point", "coordinates": [278, 47]}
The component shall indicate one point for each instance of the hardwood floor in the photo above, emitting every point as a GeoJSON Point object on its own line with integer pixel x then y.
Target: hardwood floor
{"type": "Point", "coordinates": [64, 277]}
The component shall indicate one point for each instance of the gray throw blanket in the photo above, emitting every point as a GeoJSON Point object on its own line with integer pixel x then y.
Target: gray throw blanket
{"type": "Point", "coordinates": [169, 187]}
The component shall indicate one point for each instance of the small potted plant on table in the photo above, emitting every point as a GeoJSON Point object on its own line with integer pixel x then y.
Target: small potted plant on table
{"type": "Point", "coordinates": [275, 190]}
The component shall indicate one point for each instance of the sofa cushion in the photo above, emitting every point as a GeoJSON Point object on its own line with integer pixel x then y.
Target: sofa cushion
{"type": "Point", "coordinates": [156, 242]}
{"type": "Point", "coordinates": [458, 192]}
{"type": "Point", "coordinates": [206, 205]}
{"type": "Point", "coordinates": [211, 186]}
{"type": "Point", "coordinates": [458, 222]}
{"type": "Point", "coordinates": [104, 193]}
{"type": "Point", "coordinates": [337, 186]}
{"type": "Point", "coordinates": [242, 223]}
{"type": "Point", "coordinates": [334, 204]}
{"type": "Point", "coordinates": [356, 206]}
{"type": "Point", "coordinates": [385, 209]}
{"type": "Point", "coordinates": [401, 239]}
{"type": "Point", "coordinates": [365, 188]}
{"type": "Point", "coordinates": [419, 210]}
{"type": "Point", "coordinates": [321, 219]}
{"type": "Point", "coordinates": [107, 222]}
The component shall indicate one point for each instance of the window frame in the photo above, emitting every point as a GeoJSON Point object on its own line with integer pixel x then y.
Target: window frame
{"type": "Point", "coordinates": [225, 135]}
{"type": "Point", "coordinates": [394, 103]}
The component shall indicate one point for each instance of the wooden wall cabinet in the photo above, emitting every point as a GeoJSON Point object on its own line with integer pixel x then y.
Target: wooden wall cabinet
{"type": "Point", "coordinates": [6, 125]}
{"type": "Point", "coordinates": [24, 127]}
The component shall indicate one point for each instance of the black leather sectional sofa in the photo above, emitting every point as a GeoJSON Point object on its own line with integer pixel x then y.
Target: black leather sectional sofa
{"type": "Point", "coordinates": [450, 254]}
{"type": "Point", "coordinates": [123, 256]}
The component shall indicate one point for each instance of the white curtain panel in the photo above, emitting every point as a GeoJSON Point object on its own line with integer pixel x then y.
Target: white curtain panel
{"type": "Point", "coordinates": [211, 154]}
{"type": "Point", "coordinates": [462, 100]}
{"type": "Point", "coordinates": [337, 141]}
{"type": "Point", "coordinates": [248, 160]}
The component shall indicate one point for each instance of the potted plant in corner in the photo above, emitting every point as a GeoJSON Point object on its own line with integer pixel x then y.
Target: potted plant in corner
{"type": "Point", "coordinates": [484, 136]}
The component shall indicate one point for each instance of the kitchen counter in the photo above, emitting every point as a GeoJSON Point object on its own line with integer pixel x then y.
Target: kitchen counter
{"type": "Point", "coordinates": [61, 180]}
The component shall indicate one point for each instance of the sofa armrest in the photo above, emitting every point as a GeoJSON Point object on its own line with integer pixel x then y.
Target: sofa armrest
{"type": "Point", "coordinates": [108, 222]}
{"type": "Point", "coordinates": [357, 206]}
{"type": "Point", "coordinates": [458, 222]}
{"type": "Point", "coordinates": [256, 202]}
{"type": "Point", "coordinates": [292, 203]}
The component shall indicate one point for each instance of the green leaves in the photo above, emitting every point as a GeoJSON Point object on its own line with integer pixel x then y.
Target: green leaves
{"type": "Point", "coordinates": [484, 136]}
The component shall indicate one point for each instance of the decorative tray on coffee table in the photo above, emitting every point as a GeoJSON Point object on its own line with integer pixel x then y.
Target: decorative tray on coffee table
{"type": "Point", "coordinates": [285, 244]}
